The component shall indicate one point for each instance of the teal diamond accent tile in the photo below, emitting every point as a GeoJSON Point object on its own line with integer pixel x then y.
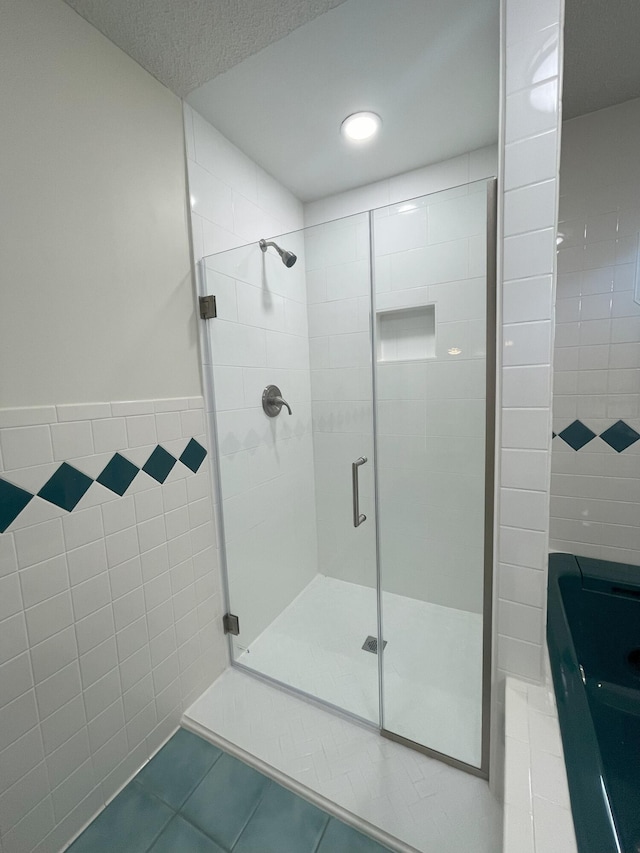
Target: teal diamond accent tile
{"type": "Point", "coordinates": [181, 837]}
{"type": "Point", "coordinates": [118, 474]}
{"type": "Point", "coordinates": [576, 435]}
{"type": "Point", "coordinates": [130, 823]}
{"type": "Point", "coordinates": [282, 823]}
{"type": "Point", "coordinates": [13, 500]}
{"type": "Point", "coordinates": [65, 487]}
{"type": "Point", "coordinates": [224, 801]}
{"type": "Point", "coordinates": [178, 767]}
{"type": "Point", "coordinates": [193, 454]}
{"type": "Point", "coordinates": [159, 464]}
{"type": "Point", "coordinates": [620, 436]}
{"type": "Point", "coordinates": [340, 838]}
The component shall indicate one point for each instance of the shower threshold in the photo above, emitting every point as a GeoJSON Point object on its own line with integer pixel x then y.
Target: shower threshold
{"type": "Point", "coordinates": [406, 800]}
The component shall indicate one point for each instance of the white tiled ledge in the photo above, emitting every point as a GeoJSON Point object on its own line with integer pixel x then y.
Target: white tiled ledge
{"type": "Point", "coordinates": [407, 801]}
{"type": "Point", "coordinates": [537, 811]}
{"type": "Point", "coordinates": [34, 415]}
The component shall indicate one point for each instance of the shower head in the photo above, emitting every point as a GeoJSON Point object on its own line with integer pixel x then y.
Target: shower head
{"type": "Point", "coordinates": [288, 258]}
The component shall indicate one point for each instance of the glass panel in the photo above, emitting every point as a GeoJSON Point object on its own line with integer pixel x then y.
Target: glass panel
{"type": "Point", "coordinates": [301, 577]}
{"type": "Point", "coordinates": [430, 302]}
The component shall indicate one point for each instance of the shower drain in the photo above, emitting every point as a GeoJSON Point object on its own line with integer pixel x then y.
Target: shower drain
{"type": "Point", "coordinates": [371, 645]}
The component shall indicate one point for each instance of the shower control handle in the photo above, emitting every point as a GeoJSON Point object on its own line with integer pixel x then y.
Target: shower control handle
{"type": "Point", "coordinates": [272, 401]}
{"type": "Point", "coordinates": [358, 518]}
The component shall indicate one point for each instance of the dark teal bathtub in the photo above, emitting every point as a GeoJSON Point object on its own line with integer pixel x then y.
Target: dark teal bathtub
{"type": "Point", "coordinates": [593, 633]}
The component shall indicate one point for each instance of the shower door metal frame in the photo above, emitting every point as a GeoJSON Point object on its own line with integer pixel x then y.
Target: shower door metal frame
{"type": "Point", "coordinates": [489, 490]}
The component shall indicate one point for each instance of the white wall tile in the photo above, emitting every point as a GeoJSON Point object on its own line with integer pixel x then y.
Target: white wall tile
{"type": "Point", "coordinates": [26, 446]}
{"type": "Point", "coordinates": [44, 580]}
{"type": "Point", "coordinates": [47, 618]}
{"type": "Point", "coordinates": [529, 254]}
{"type": "Point", "coordinates": [523, 21]}
{"type": "Point", "coordinates": [531, 160]}
{"type": "Point", "coordinates": [601, 387]}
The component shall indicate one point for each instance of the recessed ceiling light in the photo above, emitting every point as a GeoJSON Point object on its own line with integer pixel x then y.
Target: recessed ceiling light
{"type": "Point", "coordinates": [359, 127]}
{"type": "Point", "coordinates": [454, 350]}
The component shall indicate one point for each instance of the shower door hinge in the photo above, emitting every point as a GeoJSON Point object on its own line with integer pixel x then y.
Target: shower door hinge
{"type": "Point", "coordinates": [208, 309]}
{"type": "Point", "coordinates": [231, 624]}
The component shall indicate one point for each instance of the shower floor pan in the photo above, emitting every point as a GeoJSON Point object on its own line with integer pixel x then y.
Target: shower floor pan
{"type": "Point", "coordinates": [432, 662]}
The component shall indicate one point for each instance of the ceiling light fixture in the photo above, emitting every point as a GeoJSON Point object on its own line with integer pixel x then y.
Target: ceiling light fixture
{"type": "Point", "coordinates": [359, 127]}
{"type": "Point", "coordinates": [454, 350]}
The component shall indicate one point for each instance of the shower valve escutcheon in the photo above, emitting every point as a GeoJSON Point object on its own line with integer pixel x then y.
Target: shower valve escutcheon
{"type": "Point", "coordinates": [272, 401]}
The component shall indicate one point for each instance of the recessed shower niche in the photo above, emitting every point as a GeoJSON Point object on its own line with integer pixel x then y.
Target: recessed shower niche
{"type": "Point", "coordinates": [406, 334]}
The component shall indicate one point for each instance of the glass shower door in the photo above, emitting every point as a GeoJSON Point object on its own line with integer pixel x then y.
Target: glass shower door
{"type": "Point", "coordinates": [301, 575]}
{"type": "Point", "coordinates": [433, 417]}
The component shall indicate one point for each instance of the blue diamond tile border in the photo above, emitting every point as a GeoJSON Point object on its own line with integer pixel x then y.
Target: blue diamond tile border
{"type": "Point", "coordinates": [118, 474]}
{"type": "Point", "coordinates": [13, 500]}
{"type": "Point", "coordinates": [620, 436]}
{"type": "Point", "coordinates": [576, 435]}
{"type": "Point", "coordinates": [67, 485]}
{"type": "Point", "coordinates": [193, 455]}
{"type": "Point", "coordinates": [159, 464]}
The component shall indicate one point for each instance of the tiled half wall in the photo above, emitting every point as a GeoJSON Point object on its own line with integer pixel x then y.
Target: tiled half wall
{"type": "Point", "coordinates": [109, 602]}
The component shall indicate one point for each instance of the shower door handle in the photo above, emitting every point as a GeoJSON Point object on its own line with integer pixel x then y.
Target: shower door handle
{"type": "Point", "coordinates": [357, 517]}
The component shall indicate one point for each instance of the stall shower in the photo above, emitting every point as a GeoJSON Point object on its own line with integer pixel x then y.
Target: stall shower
{"type": "Point", "coordinates": [353, 368]}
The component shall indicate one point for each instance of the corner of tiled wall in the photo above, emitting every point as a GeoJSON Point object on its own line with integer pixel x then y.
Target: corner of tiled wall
{"type": "Point", "coordinates": [531, 122]}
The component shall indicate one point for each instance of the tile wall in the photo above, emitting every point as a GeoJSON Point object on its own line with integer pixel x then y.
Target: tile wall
{"type": "Point", "coordinates": [338, 284]}
{"type": "Point", "coordinates": [531, 128]}
{"type": "Point", "coordinates": [431, 412]}
{"type": "Point", "coordinates": [595, 498]}
{"type": "Point", "coordinates": [110, 604]}
{"type": "Point", "coordinates": [259, 338]}
{"type": "Point", "coordinates": [430, 252]}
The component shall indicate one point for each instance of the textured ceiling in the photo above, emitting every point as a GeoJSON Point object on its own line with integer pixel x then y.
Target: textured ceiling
{"type": "Point", "coordinates": [186, 43]}
{"type": "Point", "coordinates": [430, 69]}
{"type": "Point", "coordinates": [601, 54]}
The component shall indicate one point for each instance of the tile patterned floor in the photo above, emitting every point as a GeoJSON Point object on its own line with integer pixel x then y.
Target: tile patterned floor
{"type": "Point", "coordinates": [432, 661]}
{"type": "Point", "coordinates": [194, 798]}
{"type": "Point", "coordinates": [424, 803]}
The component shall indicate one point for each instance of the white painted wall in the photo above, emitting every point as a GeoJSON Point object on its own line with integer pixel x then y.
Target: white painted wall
{"type": "Point", "coordinates": [595, 499]}
{"type": "Point", "coordinates": [96, 301]}
{"type": "Point", "coordinates": [259, 338]}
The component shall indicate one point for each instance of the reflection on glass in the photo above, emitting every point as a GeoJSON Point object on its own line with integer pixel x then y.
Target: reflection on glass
{"type": "Point", "coordinates": [430, 413]}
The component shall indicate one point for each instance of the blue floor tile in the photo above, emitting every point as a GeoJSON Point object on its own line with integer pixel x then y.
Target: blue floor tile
{"type": "Point", "coordinates": [282, 823]}
{"type": "Point", "coordinates": [129, 824]}
{"type": "Point", "coordinates": [178, 768]}
{"type": "Point", "coordinates": [226, 798]}
{"type": "Point", "coordinates": [340, 838]}
{"type": "Point", "coordinates": [181, 837]}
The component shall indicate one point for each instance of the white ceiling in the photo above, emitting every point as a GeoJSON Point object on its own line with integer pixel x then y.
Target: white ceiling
{"type": "Point", "coordinates": [184, 43]}
{"type": "Point", "coordinates": [278, 76]}
{"type": "Point", "coordinates": [430, 69]}
{"type": "Point", "coordinates": [601, 54]}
